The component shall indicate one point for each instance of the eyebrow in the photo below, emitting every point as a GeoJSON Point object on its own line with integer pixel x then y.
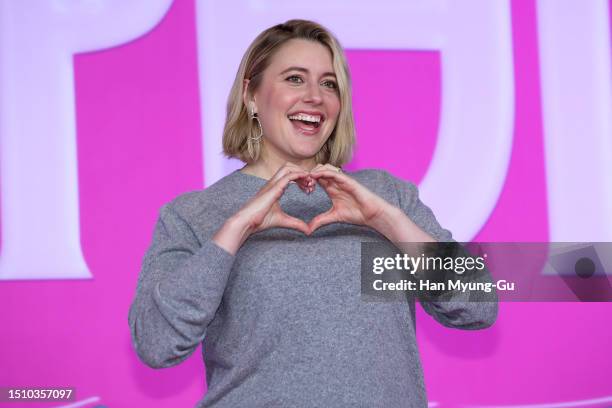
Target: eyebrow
{"type": "Point", "coordinates": [304, 70]}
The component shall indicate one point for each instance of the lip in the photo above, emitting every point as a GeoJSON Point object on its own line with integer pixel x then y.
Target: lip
{"type": "Point", "coordinates": [305, 132]}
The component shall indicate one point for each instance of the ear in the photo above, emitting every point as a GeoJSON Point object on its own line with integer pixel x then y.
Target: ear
{"type": "Point", "coordinates": [247, 98]}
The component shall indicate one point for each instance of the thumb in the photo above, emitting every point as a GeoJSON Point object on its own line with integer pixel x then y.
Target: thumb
{"type": "Point", "coordinates": [325, 218]}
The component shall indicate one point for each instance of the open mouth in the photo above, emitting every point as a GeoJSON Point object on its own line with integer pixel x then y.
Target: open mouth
{"type": "Point", "coordinates": [305, 122]}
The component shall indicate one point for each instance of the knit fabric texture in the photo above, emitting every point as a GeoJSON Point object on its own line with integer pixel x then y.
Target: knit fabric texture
{"type": "Point", "coordinates": [282, 322]}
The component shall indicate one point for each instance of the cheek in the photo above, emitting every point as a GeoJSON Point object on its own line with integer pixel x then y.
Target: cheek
{"type": "Point", "coordinates": [272, 110]}
{"type": "Point", "coordinates": [281, 104]}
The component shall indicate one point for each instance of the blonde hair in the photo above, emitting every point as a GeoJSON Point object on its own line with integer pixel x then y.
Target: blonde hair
{"type": "Point", "coordinates": [239, 127]}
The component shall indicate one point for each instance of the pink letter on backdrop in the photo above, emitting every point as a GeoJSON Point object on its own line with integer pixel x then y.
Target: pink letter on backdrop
{"type": "Point", "coordinates": [574, 39]}
{"type": "Point", "coordinates": [40, 209]}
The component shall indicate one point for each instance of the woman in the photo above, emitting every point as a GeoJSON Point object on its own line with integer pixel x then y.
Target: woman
{"type": "Point", "coordinates": [263, 266]}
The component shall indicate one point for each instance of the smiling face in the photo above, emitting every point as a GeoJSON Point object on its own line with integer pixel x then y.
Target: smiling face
{"type": "Point", "coordinates": [297, 102]}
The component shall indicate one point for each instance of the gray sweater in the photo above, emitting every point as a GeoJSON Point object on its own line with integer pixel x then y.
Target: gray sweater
{"type": "Point", "coordinates": [281, 322]}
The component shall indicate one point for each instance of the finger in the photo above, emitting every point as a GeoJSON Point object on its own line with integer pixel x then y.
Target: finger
{"type": "Point", "coordinates": [328, 167]}
{"type": "Point", "coordinates": [288, 168]}
{"type": "Point", "coordinates": [293, 166]}
{"type": "Point", "coordinates": [334, 180]}
{"type": "Point", "coordinates": [303, 184]}
{"type": "Point", "coordinates": [326, 182]}
{"type": "Point", "coordinates": [333, 168]}
{"type": "Point", "coordinates": [282, 184]}
{"type": "Point", "coordinates": [325, 218]}
{"type": "Point", "coordinates": [275, 189]}
{"type": "Point", "coordinates": [287, 221]}
{"type": "Point", "coordinates": [318, 166]}
{"type": "Point", "coordinates": [331, 174]}
{"type": "Point", "coordinates": [328, 185]}
{"type": "Point", "coordinates": [306, 183]}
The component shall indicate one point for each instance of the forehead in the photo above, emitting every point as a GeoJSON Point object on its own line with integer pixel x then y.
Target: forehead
{"type": "Point", "coordinates": [311, 55]}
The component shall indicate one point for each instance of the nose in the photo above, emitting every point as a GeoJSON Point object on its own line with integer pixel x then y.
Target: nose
{"type": "Point", "coordinates": [313, 94]}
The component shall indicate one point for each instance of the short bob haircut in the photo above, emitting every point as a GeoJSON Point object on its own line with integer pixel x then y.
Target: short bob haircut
{"type": "Point", "coordinates": [239, 127]}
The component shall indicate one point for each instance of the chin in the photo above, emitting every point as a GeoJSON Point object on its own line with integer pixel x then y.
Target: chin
{"type": "Point", "coordinates": [305, 152]}
{"type": "Point", "coordinates": [306, 155]}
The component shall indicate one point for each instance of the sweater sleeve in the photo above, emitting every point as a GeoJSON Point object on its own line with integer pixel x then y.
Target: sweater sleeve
{"type": "Point", "coordinates": [180, 287]}
{"type": "Point", "coordinates": [462, 310]}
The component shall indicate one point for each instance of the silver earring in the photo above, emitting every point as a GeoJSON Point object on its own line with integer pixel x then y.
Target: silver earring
{"type": "Point", "coordinates": [254, 116]}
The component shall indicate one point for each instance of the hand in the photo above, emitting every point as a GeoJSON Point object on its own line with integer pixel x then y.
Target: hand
{"type": "Point", "coordinates": [351, 202]}
{"type": "Point", "coordinates": [263, 211]}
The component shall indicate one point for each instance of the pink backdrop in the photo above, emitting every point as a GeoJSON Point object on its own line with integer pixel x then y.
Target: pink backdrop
{"type": "Point", "coordinates": [139, 146]}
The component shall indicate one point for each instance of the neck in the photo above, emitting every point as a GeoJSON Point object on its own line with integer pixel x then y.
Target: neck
{"type": "Point", "coordinates": [266, 167]}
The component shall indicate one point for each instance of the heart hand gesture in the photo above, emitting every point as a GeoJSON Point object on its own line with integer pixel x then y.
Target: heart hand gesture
{"type": "Point", "coordinates": [351, 203]}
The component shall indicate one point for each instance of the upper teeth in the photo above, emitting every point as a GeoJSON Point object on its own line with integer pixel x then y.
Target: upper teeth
{"type": "Point", "coordinates": [303, 116]}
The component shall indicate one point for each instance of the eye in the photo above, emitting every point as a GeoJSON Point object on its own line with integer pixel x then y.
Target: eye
{"type": "Point", "coordinates": [330, 84]}
{"type": "Point", "coordinates": [296, 79]}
